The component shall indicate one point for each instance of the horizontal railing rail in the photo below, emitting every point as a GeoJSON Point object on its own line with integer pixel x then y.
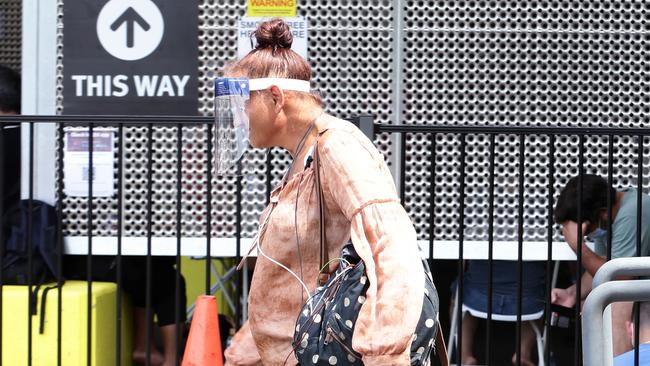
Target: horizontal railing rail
{"type": "Point", "coordinates": [491, 248]}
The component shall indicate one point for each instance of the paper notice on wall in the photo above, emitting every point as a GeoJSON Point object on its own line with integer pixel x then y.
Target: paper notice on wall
{"type": "Point", "coordinates": [76, 167]}
{"type": "Point", "coordinates": [247, 25]}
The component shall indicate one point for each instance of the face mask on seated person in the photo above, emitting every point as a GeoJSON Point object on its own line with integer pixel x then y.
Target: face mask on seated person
{"type": "Point", "coordinates": [597, 235]}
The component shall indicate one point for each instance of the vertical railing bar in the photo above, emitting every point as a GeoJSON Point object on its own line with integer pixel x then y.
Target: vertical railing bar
{"type": "Point", "coordinates": [578, 332]}
{"type": "Point", "coordinates": [402, 172]}
{"type": "Point", "coordinates": [432, 202]}
{"type": "Point", "coordinates": [520, 244]}
{"type": "Point", "coordinates": [636, 311]}
{"type": "Point", "coordinates": [179, 208]}
{"type": "Point", "coordinates": [269, 174]}
{"type": "Point", "coordinates": [639, 196]}
{"type": "Point", "coordinates": [432, 194]}
{"type": "Point", "coordinates": [2, 239]}
{"type": "Point", "coordinates": [461, 237]}
{"type": "Point", "coordinates": [89, 258]}
{"type": "Point", "coordinates": [208, 207]}
{"type": "Point", "coordinates": [610, 183]}
{"type": "Point", "coordinates": [30, 220]}
{"type": "Point", "coordinates": [241, 280]}
{"type": "Point", "coordinates": [118, 275]}
{"type": "Point", "coordinates": [549, 248]}
{"type": "Point", "coordinates": [59, 239]}
{"type": "Point", "coordinates": [148, 295]}
{"type": "Point", "coordinates": [238, 228]}
{"type": "Point", "coordinates": [488, 330]}
{"type": "Point", "coordinates": [2, 211]}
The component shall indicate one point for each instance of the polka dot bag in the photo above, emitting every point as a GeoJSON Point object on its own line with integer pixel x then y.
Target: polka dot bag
{"type": "Point", "coordinates": [323, 334]}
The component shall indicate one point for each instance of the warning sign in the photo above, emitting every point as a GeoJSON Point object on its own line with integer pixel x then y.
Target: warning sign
{"type": "Point", "coordinates": [248, 25]}
{"type": "Point", "coordinates": [272, 8]}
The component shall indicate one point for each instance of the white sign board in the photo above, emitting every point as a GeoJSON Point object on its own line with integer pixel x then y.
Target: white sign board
{"type": "Point", "coordinates": [76, 171]}
{"type": "Point", "coordinates": [247, 25]}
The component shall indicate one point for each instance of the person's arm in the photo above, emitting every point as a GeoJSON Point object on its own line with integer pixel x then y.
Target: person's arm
{"type": "Point", "coordinates": [356, 180]}
{"type": "Point", "coordinates": [242, 350]}
{"type": "Point", "coordinates": [567, 296]}
{"type": "Point", "coordinates": [590, 260]}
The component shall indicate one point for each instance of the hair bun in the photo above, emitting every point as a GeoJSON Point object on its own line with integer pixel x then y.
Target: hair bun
{"type": "Point", "coordinates": [274, 34]}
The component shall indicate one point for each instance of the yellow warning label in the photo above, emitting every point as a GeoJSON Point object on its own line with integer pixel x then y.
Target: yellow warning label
{"type": "Point", "coordinates": [272, 8]}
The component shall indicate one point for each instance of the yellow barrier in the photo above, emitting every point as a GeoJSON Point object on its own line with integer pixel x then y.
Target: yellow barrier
{"type": "Point", "coordinates": [74, 326]}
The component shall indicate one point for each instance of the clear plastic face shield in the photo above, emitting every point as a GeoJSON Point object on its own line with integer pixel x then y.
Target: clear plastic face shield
{"type": "Point", "coordinates": [232, 122]}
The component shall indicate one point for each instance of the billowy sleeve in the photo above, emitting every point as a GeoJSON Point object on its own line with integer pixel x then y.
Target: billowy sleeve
{"type": "Point", "coordinates": [356, 179]}
{"type": "Point", "coordinates": [242, 350]}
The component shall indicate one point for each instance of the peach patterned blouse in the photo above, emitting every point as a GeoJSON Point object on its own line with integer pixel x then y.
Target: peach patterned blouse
{"type": "Point", "coordinates": [361, 204]}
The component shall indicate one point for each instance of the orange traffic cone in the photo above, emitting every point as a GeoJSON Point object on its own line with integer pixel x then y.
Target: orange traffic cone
{"type": "Point", "coordinates": [203, 346]}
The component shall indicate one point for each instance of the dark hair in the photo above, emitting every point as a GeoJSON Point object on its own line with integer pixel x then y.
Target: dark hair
{"type": "Point", "coordinates": [9, 90]}
{"type": "Point", "coordinates": [273, 56]}
{"type": "Point", "coordinates": [273, 34]}
{"type": "Point", "coordinates": [594, 198]}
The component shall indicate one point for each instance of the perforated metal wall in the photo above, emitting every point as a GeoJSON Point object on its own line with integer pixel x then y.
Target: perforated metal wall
{"type": "Point", "coordinates": [350, 52]}
{"type": "Point", "coordinates": [519, 63]}
{"type": "Point", "coordinates": [578, 63]}
{"type": "Point", "coordinates": [10, 33]}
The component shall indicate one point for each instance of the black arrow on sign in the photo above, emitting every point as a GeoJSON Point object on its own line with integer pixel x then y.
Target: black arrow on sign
{"type": "Point", "coordinates": [130, 17]}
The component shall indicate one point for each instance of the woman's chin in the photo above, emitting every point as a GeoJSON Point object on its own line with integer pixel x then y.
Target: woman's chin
{"type": "Point", "coordinates": [259, 144]}
{"type": "Point", "coordinates": [256, 145]}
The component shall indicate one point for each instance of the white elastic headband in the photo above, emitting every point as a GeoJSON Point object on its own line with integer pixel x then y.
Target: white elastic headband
{"type": "Point", "coordinates": [288, 84]}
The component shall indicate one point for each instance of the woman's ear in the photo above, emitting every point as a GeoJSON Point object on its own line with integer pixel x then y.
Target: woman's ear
{"type": "Point", "coordinates": [278, 98]}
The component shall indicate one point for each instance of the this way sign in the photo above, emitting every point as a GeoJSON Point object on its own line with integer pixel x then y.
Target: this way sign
{"type": "Point", "coordinates": [130, 57]}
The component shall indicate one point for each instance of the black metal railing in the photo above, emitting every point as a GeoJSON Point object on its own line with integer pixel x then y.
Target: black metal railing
{"type": "Point", "coordinates": [366, 124]}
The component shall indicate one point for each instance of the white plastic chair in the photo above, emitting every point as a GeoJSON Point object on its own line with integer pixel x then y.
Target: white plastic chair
{"type": "Point", "coordinates": [539, 334]}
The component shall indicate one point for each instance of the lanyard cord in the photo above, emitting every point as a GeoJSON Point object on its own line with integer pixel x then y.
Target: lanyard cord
{"type": "Point", "coordinates": [299, 147]}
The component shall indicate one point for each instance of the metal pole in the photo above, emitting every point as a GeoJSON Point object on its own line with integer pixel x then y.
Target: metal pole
{"type": "Point", "coordinates": [594, 353]}
{"type": "Point", "coordinates": [630, 267]}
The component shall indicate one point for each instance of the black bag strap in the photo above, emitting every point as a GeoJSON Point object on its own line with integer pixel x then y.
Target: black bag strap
{"type": "Point", "coordinates": [441, 348]}
{"type": "Point", "coordinates": [33, 296]}
{"type": "Point", "coordinates": [324, 256]}
{"type": "Point", "coordinates": [41, 327]}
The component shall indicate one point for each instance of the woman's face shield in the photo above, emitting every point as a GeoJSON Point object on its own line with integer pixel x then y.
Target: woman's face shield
{"type": "Point", "coordinates": [232, 123]}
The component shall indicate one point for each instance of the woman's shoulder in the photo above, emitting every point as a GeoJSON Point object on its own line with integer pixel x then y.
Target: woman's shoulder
{"type": "Point", "coordinates": [342, 134]}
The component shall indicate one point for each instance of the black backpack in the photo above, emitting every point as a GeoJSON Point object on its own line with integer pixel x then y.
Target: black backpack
{"type": "Point", "coordinates": [15, 267]}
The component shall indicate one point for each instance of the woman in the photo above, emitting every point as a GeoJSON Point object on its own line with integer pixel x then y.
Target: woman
{"type": "Point", "coordinates": [361, 203]}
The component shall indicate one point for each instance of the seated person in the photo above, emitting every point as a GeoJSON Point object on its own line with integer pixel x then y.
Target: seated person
{"type": "Point", "coordinates": [595, 191]}
{"type": "Point", "coordinates": [504, 301]}
{"type": "Point", "coordinates": [627, 359]}
{"type": "Point", "coordinates": [134, 282]}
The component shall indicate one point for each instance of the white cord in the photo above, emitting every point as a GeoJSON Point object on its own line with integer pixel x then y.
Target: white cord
{"type": "Point", "coordinates": [259, 249]}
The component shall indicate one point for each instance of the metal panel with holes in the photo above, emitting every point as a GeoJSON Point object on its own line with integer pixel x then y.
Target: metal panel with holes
{"type": "Point", "coordinates": [518, 63]}
{"type": "Point", "coordinates": [10, 33]}
{"type": "Point", "coordinates": [526, 63]}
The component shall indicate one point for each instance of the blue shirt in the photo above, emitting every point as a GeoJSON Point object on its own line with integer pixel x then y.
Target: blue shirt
{"type": "Point", "coordinates": [624, 228]}
{"type": "Point", "coordinates": [627, 359]}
